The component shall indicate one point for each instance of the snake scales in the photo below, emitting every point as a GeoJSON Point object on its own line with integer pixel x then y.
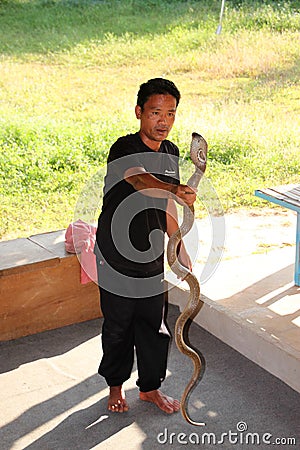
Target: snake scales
{"type": "Point", "coordinates": [198, 153]}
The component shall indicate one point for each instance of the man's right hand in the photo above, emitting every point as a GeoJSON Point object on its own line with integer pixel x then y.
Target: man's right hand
{"type": "Point", "coordinates": [185, 195]}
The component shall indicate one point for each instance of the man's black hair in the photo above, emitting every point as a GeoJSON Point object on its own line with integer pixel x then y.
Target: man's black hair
{"type": "Point", "coordinates": [157, 86]}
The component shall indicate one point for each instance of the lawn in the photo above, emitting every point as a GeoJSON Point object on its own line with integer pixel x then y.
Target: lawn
{"type": "Point", "coordinates": [69, 74]}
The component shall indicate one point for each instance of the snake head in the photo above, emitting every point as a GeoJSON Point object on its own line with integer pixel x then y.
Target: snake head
{"type": "Point", "coordinates": [198, 151]}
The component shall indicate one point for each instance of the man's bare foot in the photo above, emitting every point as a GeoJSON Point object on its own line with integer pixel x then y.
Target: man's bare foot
{"type": "Point", "coordinates": [116, 400]}
{"type": "Point", "coordinates": [165, 403]}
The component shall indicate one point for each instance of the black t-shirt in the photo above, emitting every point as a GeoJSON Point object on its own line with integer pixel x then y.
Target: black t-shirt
{"type": "Point", "coordinates": [131, 226]}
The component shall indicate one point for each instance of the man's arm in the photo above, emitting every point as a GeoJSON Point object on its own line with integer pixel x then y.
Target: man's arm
{"type": "Point", "coordinates": [151, 186]}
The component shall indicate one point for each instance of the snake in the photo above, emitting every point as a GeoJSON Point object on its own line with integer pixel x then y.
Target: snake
{"type": "Point", "coordinates": [198, 155]}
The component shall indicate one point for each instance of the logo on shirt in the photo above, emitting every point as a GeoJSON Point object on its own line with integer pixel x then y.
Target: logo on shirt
{"type": "Point", "coordinates": [170, 172]}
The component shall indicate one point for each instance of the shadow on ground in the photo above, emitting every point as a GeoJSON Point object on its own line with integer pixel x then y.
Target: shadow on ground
{"type": "Point", "coordinates": [234, 393]}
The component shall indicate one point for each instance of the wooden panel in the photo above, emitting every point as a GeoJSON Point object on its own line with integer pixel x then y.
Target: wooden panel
{"type": "Point", "coordinates": [287, 196]}
{"type": "Point", "coordinates": [45, 298]}
{"type": "Point", "coordinates": [40, 287]}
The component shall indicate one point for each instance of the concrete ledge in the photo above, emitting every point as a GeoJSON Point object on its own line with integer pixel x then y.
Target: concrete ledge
{"type": "Point", "coordinates": [40, 287]}
{"type": "Point", "coordinates": [273, 355]}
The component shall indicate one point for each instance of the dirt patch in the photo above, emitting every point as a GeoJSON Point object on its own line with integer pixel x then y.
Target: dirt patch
{"type": "Point", "coordinates": [251, 231]}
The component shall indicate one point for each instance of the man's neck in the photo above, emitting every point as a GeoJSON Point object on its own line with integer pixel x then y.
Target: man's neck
{"type": "Point", "coordinates": [154, 145]}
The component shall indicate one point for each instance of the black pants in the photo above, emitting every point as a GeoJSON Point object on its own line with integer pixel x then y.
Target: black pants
{"type": "Point", "coordinates": [134, 323]}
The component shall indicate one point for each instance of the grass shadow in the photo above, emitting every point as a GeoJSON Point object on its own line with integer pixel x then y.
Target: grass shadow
{"type": "Point", "coordinates": [48, 26]}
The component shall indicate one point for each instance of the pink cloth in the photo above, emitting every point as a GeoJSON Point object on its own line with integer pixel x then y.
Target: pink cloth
{"type": "Point", "coordinates": [80, 238]}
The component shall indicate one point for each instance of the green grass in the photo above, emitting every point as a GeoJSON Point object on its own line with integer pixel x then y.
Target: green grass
{"type": "Point", "coordinates": [70, 71]}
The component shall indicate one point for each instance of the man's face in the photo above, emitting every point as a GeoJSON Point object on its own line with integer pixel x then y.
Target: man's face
{"type": "Point", "coordinates": [156, 118]}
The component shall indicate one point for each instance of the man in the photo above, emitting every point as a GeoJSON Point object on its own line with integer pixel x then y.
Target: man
{"type": "Point", "coordinates": [141, 184]}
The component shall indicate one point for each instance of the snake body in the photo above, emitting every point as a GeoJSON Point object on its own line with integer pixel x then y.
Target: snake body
{"type": "Point", "coordinates": [198, 153]}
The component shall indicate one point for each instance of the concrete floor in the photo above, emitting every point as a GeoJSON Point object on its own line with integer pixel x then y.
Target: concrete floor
{"type": "Point", "coordinates": [52, 397]}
